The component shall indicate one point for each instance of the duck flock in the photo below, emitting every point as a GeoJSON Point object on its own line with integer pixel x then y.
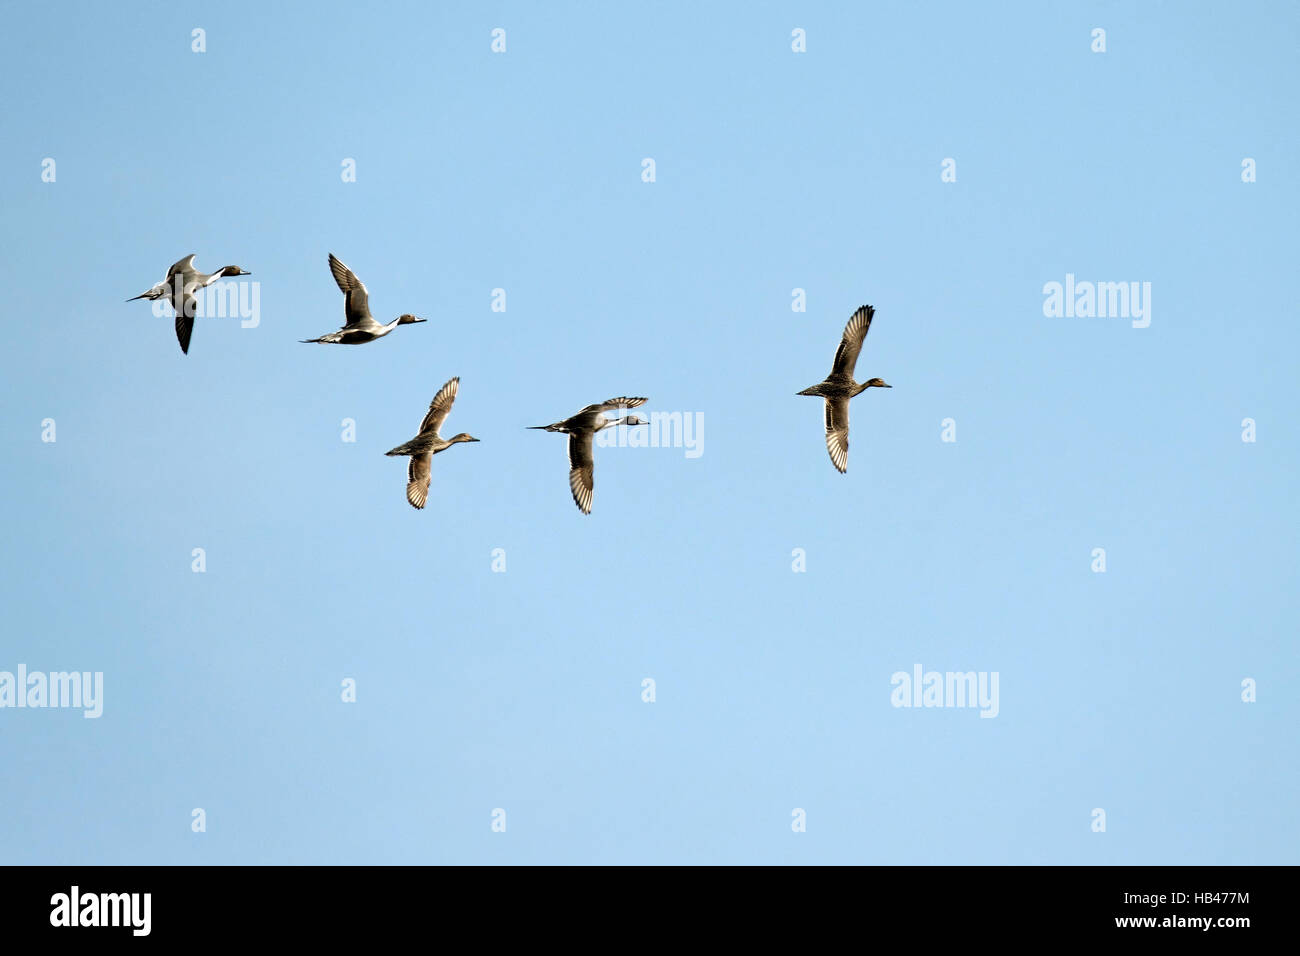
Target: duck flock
{"type": "Point", "coordinates": [183, 280]}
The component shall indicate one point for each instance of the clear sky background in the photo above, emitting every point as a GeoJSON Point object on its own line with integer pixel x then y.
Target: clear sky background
{"type": "Point", "coordinates": [522, 690]}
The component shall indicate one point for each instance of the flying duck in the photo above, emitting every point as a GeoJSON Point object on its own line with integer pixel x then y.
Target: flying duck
{"type": "Point", "coordinates": [838, 387]}
{"type": "Point", "coordinates": [182, 281]}
{"type": "Point", "coordinates": [428, 443]}
{"type": "Point", "coordinates": [581, 428]}
{"type": "Point", "coordinates": [361, 326]}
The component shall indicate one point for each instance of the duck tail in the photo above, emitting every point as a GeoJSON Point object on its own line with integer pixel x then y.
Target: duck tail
{"type": "Point", "coordinates": [328, 339]}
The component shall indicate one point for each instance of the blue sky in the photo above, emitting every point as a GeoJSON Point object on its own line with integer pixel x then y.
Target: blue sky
{"type": "Point", "coordinates": [522, 690]}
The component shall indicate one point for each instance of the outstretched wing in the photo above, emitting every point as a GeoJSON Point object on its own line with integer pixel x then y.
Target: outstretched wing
{"type": "Point", "coordinates": [581, 470]}
{"type": "Point", "coordinates": [439, 407]}
{"type": "Point", "coordinates": [417, 480]}
{"type": "Point", "coordinates": [182, 265]}
{"type": "Point", "coordinates": [837, 432]}
{"type": "Point", "coordinates": [184, 304]}
{"type": "Point", "coordinates": [356, 299]}
{"type": "Point", "coordinates": [184, 329]}
{"type": "Point", "coordinates": [612, 403]}
{"type": "Point", "coordinates": [846, 356]}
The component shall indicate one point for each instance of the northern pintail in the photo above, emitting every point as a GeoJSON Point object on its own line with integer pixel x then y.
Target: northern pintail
{"type": "Point", "coordinates": [361, 326]}
{"type": "Point", "coordinates": [182, 281]}
{"type": "Point", "coordinates": [581, 428]}
{"type": "Point", "coordinates": [428, 443]}
{"type": "Point", "coordinates": [839, 387]}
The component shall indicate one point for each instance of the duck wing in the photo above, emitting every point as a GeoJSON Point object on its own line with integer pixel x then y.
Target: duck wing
{"type": "Point", "coordinates": [846, 356]}
{"type": "Point", "coordinates": [837, 432]}
{"type": "Point", "coordinates": [440, 407]}
{"type": "Point", "coordinates": [184, 329]}
{"type": "Point", "coordinates": [610, 404]}
{"type": "Point", "coordinates": [184, 309]}
{"type": "Point", "coordinates": [356, 299]}
{"type": "Point", "coordinates": [417, 480]}
{"type": "Point", "coordinates": [185, 265]}
{"type": "Point", "coordinates": [582, 468]}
